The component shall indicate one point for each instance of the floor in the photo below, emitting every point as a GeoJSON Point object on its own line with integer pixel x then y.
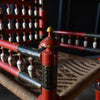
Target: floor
{"type": "Point", "coordinates": [87, 94]}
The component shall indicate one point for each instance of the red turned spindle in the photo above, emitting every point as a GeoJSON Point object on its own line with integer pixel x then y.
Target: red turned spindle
{"type": "Point", "coordinates": [24, 25]}
{"type": "Point", "coordinates": [9, 25]}
{"type": "Point", "coordinates": [69, 40]}
{"type": "Point", "coordinates": [16, 10]}
{"type": "Point", "coordinates": [17, 25]}
{"type": "Point", "coordinates": [30, 24]}
{"type": "Point", "coordinates": [95, 43]}
{"type": "Point", "coordinates": [36, 24]}
{"type": "Point", "coordinates": [20, 63]}
{"type": "Point", "coordinates": [36, 35]}
{"type": "Point", "coordinates": [85, 43]}
{"type": "Point", "coordinates": [62, 39]}
{"type": "Point", "coordinates": [1, 25]}
{"type": "Point", "coordinates": [30, 36]}
{"type": "Point", "coordinates": [31, 69]}
{"type": "Point", "coordinates": [8, 10]}
{"type": "Point", "coordinates": [10, 38]}
{"type": "Point", "coordinates": [24, 37]}
{"type": "Point", "coordinates": [3, 56]}
{"type": "Point", "coordinates": [17, 38]}
{"type": "Point", "coordinates": [49, 62]}
{"type": "Point", "coordinates": [11, 59]}
{"type": "Point", "coordinates": [23, 10]}
{"type": "Point", "coordinates": [29, 11]}
{"type": "Point", "coordinates": [77, 41]}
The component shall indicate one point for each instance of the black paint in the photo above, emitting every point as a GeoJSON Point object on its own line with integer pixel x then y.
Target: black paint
{"type": "Point", "coordinates": [49, 77]}
{"type": "Point", "coordinates": [33, 81]}
{"type": "Point", "coordinates": [29, 51]}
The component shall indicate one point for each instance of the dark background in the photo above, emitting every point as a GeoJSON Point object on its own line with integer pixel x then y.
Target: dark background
{"type": "Point", "coordinates": [76, 15]}
{"type": "Point", "coordinates": [82, 17]}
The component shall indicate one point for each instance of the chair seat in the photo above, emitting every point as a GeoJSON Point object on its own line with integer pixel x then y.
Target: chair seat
{"type": "Point", "coordinates": [74, 74]}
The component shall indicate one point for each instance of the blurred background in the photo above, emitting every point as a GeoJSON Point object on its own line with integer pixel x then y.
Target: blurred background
{"type": "Point", "coordinates": [75, 15]}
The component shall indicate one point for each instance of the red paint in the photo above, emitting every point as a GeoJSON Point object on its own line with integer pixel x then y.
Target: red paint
{"type": "Point", "coordinates": [49, 57]}
{"type": "Point", "coordinates": [24, 34]}
{"type": "Point", "coordinates": [10, 54]}
{"type": "Point", "coordinates": [15, 6]}
{"type": "Point", "coordinates": [13, 70]}
{"type": "Point", "coordinates": [31, 62]}
{"type": "Point", "coordinates": [85, 38]}
{"type": "Point", "coordinates": [72, 46]}
{"type": "Point", "coordinates": [35, 1]}
{"type": "Point", "coordinates": [8, 6]}
{"type": "Point", "coordinates": [95, 39]}
{"type": "Point", "coordinates": [2, 50]}
{"type": "Point", "coordinates": [17, 20]}
{"type": "Point", "coordinates": [16, 17]}
{"type": "Point", "coordinates": [18, 2]}
{"type": "Point", "coordinates": [49, 61]}
{"type": "Point", "coordinates": [42, 21]}
{"type": "Point", "coordinates": [98, 58]}
{"type": "Point", "coordinates": [9, 45]}
{"type": "Point", "coordinates": [81, 34]}
{"type": "Point", "coordinates": [49, 42]}
{"type": "Point", "coordinates": [9, 20]}
{"type": "Point", "coordinates": [20, 57]}
{"type": "Point", "coordinates": [98, 80]}
{"type": "Point", "coordinates": [23, 6]}
{"type": "Point", "coordinates": [13, 31]}
{"type": "Point", "coordinates": [48, 95]}
{"type": "Point", "coordinates": [97, 95]}
{"type": "Point", "coordinates": [9, 35]}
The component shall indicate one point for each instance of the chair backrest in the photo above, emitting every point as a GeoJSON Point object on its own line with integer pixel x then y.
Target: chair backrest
{"type": "Point", "coordinates": [24, 19]}
{"type": "Point", "coordinates": [78, 40]}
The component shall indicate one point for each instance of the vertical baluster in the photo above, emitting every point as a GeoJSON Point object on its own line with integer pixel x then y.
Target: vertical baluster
{"type": "Point", "coordinates": [11, 59]}
{"type": "Point", "coordinates": [0, 10]}
{"type": "Point", "coordinates": [16, 10]}
{"type": "Point", "coordinates": [17, 25]}
{"type": "Point", "coordinates": [35, 11]}
{"type": "Point", "coordinates": [36, 24]}
{"type": "Point", "coordinates": [30, 36]}
{"type": "Point", "coordinates": [95, 43]}
{"type": "Point", "coordinates": [17, 38]}
{"type": "Point", "coordinates": [24, 36]}
{"type": "Point", "coordinates": [2, 37]}
{"type": "Point", "coordinates": [35, 2]}
{"type": "Point", "coordinates": [1, 25]}
{"type": "Point", "coordinates": [36, 35]}
{"type": "Point", "coordinates": [31, 69]}
{"type": "Point", "coordinates": [29, 11]}
{"type": "Point", "coordinates": [30, 23]}
{"type": "Point", "coordinates": [10, 38]}
{"type": "Point", "coordinates": [85, 43]}
{"type": "Point", "coordinates": [77, 41]}
{"type": "Point", "coordinates": [62, 39]}
{"type": "Point", "coordinates": [9, 25]}
{"type": "Point", "coordinates": [69, 40]}
{"type": "Point", "coordinates": [24, 25]}
{"type": "Point", "coordinates": [23, 10]}
{"type": "Point", "coordinates": [20, 63]}
{"type": "Point", "coordinates": [8, 10]}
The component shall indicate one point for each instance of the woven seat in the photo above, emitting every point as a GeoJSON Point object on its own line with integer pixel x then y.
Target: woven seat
{"type": "Point", "coordinates": [74, 74]}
